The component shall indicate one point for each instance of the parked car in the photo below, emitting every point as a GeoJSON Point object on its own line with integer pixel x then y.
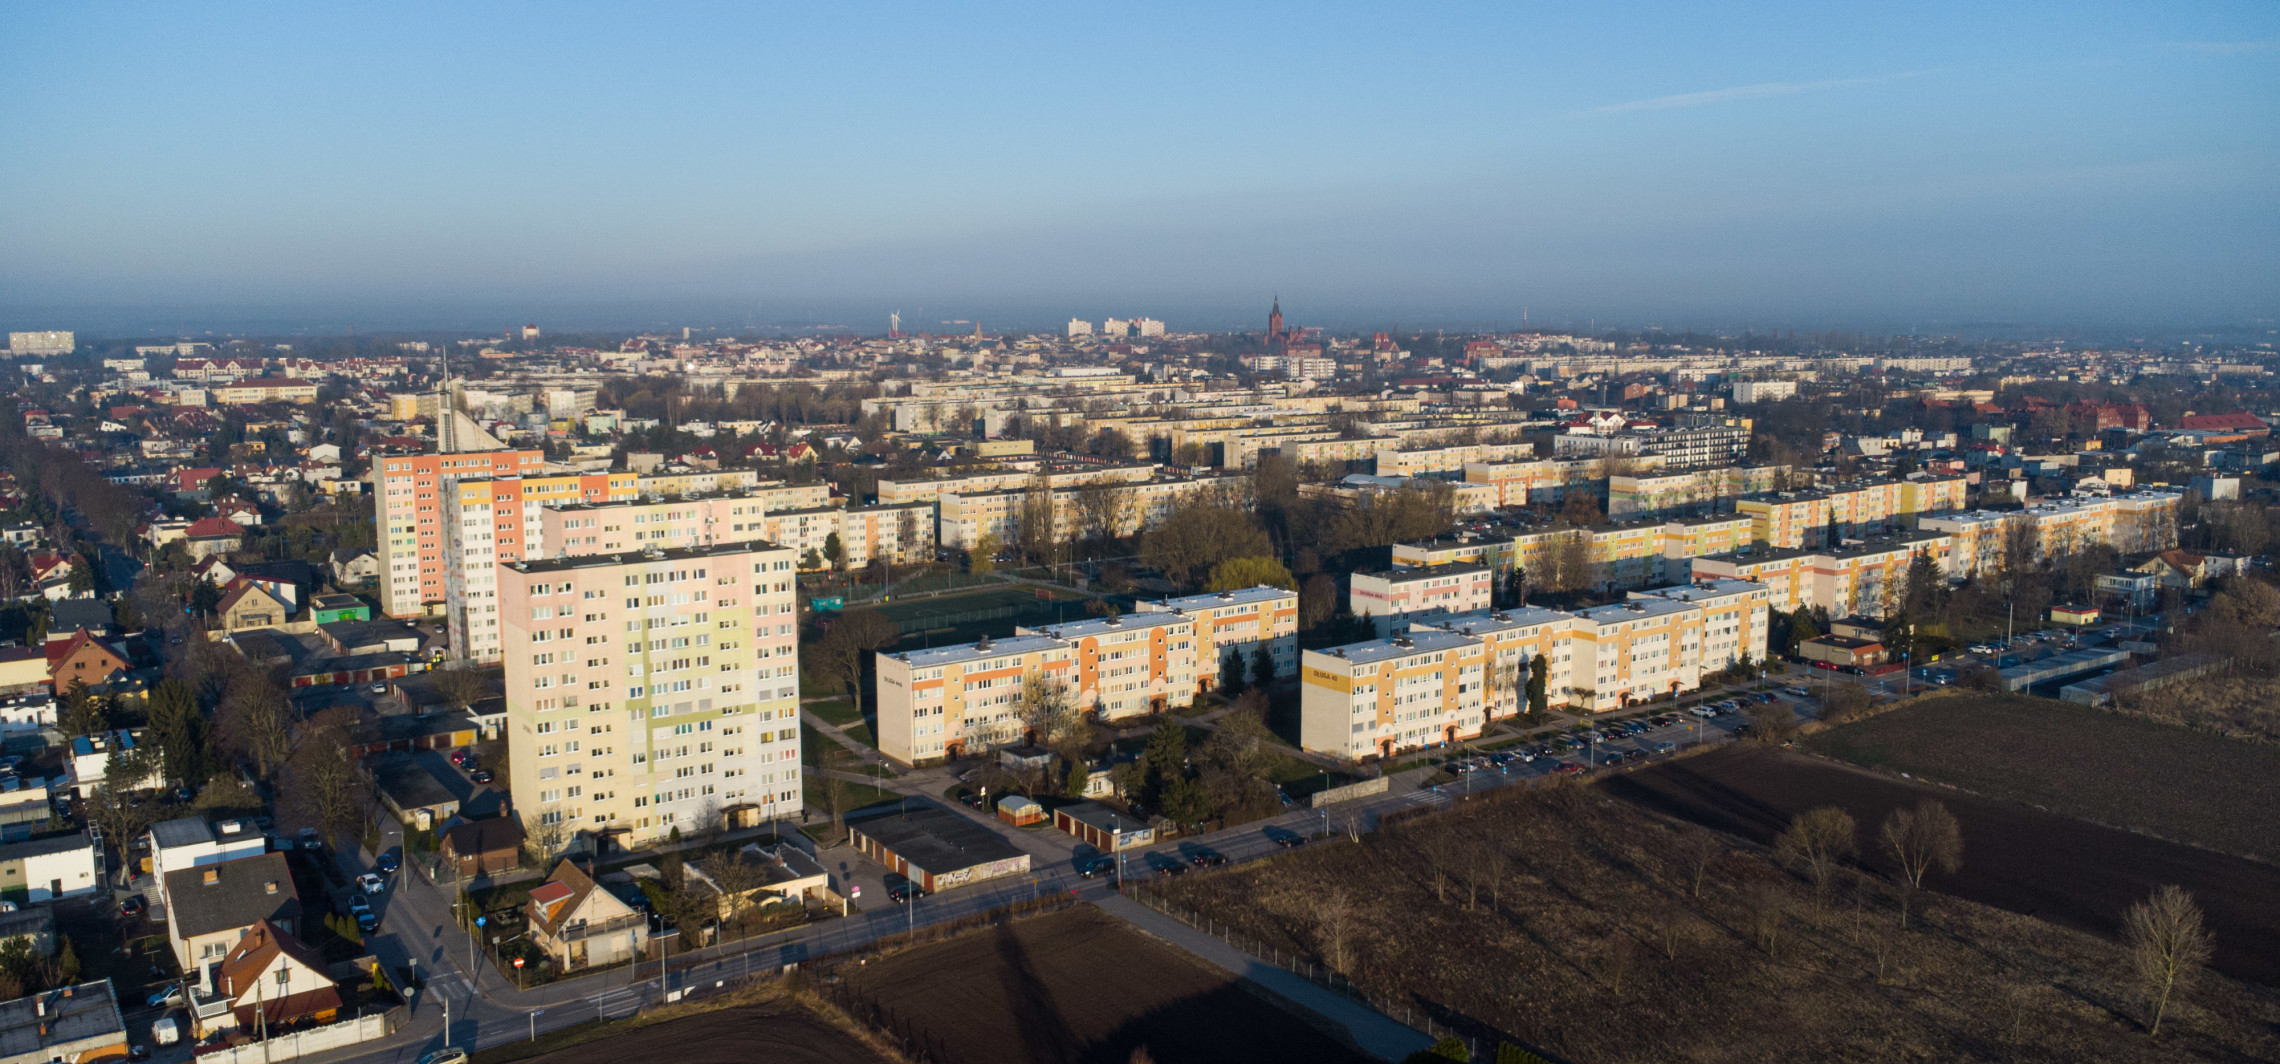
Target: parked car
{"type": "Point", "coordinates": [904, 891]}
{"type": "Point", "coordinates": [481, 775]}
{"type": "Point", "coordinates": [389, 862]}
{"type": "Point", "coordinates": [131, 905]}
{"type": "Point", "coordinates": [1102, 865]}
{"type": "Point", "coordinates": [165, 998]}
{"type": "Point", "coordinates": [446, 1055]}
{"type": "Point", "coordinates": [371, 883]}
{"type": "Point", "coordinates": [1207, 858]}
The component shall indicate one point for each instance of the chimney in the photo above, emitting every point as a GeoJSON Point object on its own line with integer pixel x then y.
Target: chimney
{"type": "Point", "coordinates": [269, 887]}
{"type": "Point", "coordinates": [212, 877]}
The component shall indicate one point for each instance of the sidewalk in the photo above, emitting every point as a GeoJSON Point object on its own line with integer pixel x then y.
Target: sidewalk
{"type": "Point", "coordinates": [1369, 1028]}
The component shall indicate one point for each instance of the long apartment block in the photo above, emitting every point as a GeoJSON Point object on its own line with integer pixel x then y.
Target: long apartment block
{"type": "Point", "coordinates": [489, 520]}
{"type": "Point", "coordinates": [651, 690]}
{"type": "Point", "coordinates": [949, 701]}
{"type": "Point", "coordinates": [1419, 688]}
{"type": "Point", "coordinates": [1241, 622]}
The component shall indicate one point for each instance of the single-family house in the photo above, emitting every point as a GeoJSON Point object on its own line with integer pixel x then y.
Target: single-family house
{"type": "Point", "coordinates": [252, 605]}
{"type": "Point", "coordinates": [210, 907]}
{"type": "Point", "coordinates": [581, 925]}
{"type": "Point", "coordinates": [209, 536]}
{"type": "Point", "coordinates": [82, 658]}
{"type": "Point", "coordinates": [481, 847]}
{"type": "Point", "coordinates": [270, 981]}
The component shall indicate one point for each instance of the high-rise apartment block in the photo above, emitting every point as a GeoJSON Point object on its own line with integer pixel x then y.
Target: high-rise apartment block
{"type": "Point", "coordinates": [651, 690]}
{"type": "Point", "coordinates": [44, 342]}
{"type": "Point", "coordinates": [492, 520]}
{"type": "Point", "coordinates": [409, 494]}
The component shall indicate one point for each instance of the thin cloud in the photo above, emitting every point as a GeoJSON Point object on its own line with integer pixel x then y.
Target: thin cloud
{"type": "Point", "coordinates": [2224, 47]}
{"type": "Point", "coordinates": [1744, 92]}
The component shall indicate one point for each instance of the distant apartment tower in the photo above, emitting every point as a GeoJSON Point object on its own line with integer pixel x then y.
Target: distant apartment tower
{"type": "Point", "coordinates": [1764, 391]}
{"type": "Point", "coordinates": [44, 342]}
{"type": "Point", "coordinates": [530, 332]}
{"type": "Point", "coordinates": [1080, 328]}
{"type": "Point", "coordinates": [409, 495]}
{"type": "Point", "coordinates": [651, 691]}
{"type": "Point", "coordinates": [1148, 327]}
{"type": "Point", "coordinates": [488, 521]}
{"type": "Point", "coordinates": [1391, 598]}
{"type": "Point", "coordinates": [1116, 327]}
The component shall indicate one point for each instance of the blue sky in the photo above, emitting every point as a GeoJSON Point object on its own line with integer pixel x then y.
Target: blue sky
{"type": "Point", "coordinates": [1926, 165]}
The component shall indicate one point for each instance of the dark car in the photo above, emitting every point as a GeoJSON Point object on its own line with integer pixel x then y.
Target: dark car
{"type": "Point", "coordinates": [902, 892]}
{"type": "Point", "coordinates": [132, 905]}
{"type": "Point", "coordinates": [1097, 867]}
{"type": "Point", "coordinates": [971, 799]}
{"type": "Point", "coordinates": [482, 775]}
{"type": "Point", "coordinates": [1207, 858]}
{"type": "Point", "coordinates": [389, 862]}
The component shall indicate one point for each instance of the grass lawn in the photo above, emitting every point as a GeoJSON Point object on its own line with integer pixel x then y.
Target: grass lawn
{"type": "Point", "coordinates": [859, 796]}
{"type": "Point", "coordinates": [2139, 775]}
{"type": "Point", "coordinates": [836, 711]}
{"type": "Point", "coordinates": [862, 733]}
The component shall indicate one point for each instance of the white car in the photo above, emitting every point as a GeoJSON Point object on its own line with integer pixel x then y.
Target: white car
{"type": "Point", "coordinates": [372, 883]}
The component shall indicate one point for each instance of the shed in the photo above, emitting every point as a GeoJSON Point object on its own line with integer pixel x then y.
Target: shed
{"type": "Point", "coordinates": [1019, 811]}
{"type": "Point", "coordinates": [481, 847]}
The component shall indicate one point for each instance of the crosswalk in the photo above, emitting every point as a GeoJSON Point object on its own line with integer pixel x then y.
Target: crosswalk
{"type": "Point", "coordinates": [617, 1000]}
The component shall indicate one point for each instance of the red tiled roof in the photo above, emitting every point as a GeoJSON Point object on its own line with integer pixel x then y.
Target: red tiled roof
{"type": "Point", "coordinates": [2238, 420]}
{"type": "Point", "coordinates": [215, 527]}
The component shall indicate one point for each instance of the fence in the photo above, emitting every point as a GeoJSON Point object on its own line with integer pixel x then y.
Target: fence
{"type": "Point", "coordinates": [304, 1042]}
{"type": "Point", "coordinates": [1318, 974]}
{"type": "Point", "coordinates": [1351, 791]}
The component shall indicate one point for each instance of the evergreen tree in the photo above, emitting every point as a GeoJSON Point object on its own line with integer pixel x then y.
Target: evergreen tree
{"type": "Point", "coordinates": [1539, 693]}
{"type": "Point", "coordinates": [1262, 666]}
{"type": "Point", "coordinates": [1231, 674]}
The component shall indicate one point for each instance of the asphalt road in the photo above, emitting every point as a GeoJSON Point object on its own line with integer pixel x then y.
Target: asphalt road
{"type": "Point", "coordinates": [486, 1009]}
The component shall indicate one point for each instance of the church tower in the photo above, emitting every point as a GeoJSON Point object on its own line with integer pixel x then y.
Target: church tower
{"type": "Point", "coordinates": [1275, 336]}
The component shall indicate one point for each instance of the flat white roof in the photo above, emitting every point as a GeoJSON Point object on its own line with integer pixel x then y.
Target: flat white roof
{"type": "Point", "coordinates": [950, 655]}
{"type": "Point", "coordinates": [1482, 622]}
{"type": "Point", "coordinates": [1419, 641]}
{"type": "Point", "coordinates": [1261, 593]}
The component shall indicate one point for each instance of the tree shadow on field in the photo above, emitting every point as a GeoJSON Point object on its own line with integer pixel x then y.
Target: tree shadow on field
{"type": "Point", "coordinates": [1044, 1034]}
{"type": "Point", "coordinates": [1687, 795]}
{"type": "Point", "coordinates": [1227, 1025]}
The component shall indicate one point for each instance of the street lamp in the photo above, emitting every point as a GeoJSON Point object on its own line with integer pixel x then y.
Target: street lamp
{"type": "Point", "coordinates": [534, 1013]}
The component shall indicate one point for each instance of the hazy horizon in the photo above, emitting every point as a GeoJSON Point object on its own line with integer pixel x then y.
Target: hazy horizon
{"type": "Point", "coordinates": [1939, 168]}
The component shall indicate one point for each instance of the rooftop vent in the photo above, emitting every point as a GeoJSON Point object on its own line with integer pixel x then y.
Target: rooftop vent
{"type": "Point", "coordinates": [269, 887]}
{"type": "Point", "coordinates": [211, 877]}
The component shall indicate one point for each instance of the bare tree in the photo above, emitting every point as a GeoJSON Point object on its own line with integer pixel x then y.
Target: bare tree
{"type": "Point", "coordinates": [1669, 917]}
{"type": "Point", "coordinates": [1816, 843]}
{"type": "Point", "coordinates": [837, 657]}
{"type": "Point", "coordinates": [1337, 919]}
{"type": "Point", "coordinates": [1048, 715]}
{"type": "Point", "coordinates": [1919, 840]}
{"type": "Point", "coordinates": [1616, 962]}
{"type": "Point", "coordinates": [1767, 904]}
{"type": "Point", "coordinates": [461, 687]}
{"type": "Point", "coordinates": [322, 787]}
{"type": "Point", "coordinates": [2168, 945]}
{"type": "Point", "coordinates": [1440, 849]}
{"type": "Point", "coordinates": [831, 759]}
{"type": "Point", "coordinates": [1696, 850]}
{"type": "Point", "coordinates": [736, 878]}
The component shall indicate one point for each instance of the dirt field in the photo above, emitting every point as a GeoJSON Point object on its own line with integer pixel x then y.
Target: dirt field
{"type": "Point", "coordinates": [2126, 772]}
{"type": "Point", "coordinates": [1567, 921]}
{"type": "Point", "coordinates": [775, 1033]}
{"type": "Point", "coordinates": [2031, 862]}
{"type": "Point", "coordinates": [1080, 987]}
